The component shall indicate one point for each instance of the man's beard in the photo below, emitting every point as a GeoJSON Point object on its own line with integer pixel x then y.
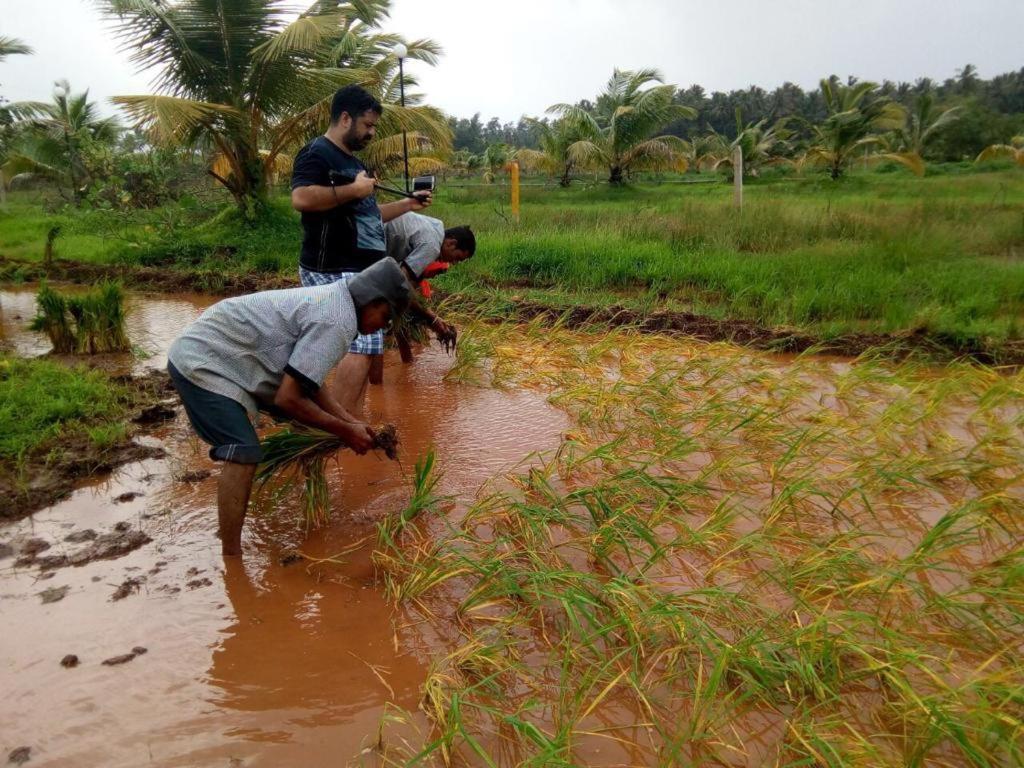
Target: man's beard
{"type": "Point", "coordinates": [354, 141]}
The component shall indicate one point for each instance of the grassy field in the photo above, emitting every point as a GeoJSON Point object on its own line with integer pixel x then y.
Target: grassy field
{"type": "Point", "coordinates": [45, 404]}
{"type": "Point", "coordinates": [728, 561]}
{"type": "Point", "coordinates": [876, 252]}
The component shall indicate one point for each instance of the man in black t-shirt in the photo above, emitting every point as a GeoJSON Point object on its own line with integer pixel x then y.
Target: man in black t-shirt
{"type": "Point", "coordinates": [343, 227]}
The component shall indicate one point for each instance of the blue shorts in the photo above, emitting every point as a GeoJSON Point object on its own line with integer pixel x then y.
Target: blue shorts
{"type": "Point", "coordinates": [364, 344]}
{"type": "Point", "coordinates": [219, 421]}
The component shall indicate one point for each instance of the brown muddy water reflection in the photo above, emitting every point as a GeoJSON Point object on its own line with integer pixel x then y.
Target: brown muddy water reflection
{"type": "Point", "coordinates": [248, 663]}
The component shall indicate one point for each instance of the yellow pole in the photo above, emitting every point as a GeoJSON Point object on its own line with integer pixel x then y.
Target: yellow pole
{"type": "Point", "coordinates": [737, 178]}
{"type": "Point", "coordinates": [514, 170]}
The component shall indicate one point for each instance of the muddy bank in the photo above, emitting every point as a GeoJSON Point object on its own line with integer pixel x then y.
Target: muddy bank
{"type": "Point", "coordinates": [163, 279]}
{"type": "Point", "coordinates": [901, 345]}
{"type": "Point", "coordinates": [44, 479]}
{"type": "Point", "coordinates": [934, 346]}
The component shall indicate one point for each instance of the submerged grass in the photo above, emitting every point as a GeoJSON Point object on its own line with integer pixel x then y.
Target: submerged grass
{"type": "Point", "coordinates": [730, 560]}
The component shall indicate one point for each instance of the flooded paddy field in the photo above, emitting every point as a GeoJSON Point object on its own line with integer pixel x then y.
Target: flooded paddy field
{"type": "Point", "coordinates": [638, 551]}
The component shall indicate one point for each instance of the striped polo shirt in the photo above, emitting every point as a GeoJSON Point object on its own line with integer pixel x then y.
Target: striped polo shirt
{"type": "Point", "coordinates": [415, 240]}
{"type": "Point", "coordinates": [242, 347]}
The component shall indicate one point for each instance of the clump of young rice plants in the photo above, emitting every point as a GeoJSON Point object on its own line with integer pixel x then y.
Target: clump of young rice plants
{"type": "Point", "coordinates": [297, 455]}
{"type": "Point", "coordinates": [731, 559]}
{"type": "Point", "coordinates": [89, 323]}
{"type": "Point", "coordinates": [54, 320]}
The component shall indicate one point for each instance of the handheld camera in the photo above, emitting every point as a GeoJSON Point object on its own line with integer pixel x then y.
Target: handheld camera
{"type": "Point", "coordinates": [419, 184]}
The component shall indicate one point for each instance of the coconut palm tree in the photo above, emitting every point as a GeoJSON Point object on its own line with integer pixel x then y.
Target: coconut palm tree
{"type": "Point", "coordinates": [1014, 151]}
{"type": "Point", "coordinates": [923, 123]}
{"type": "Point", "coordinates": [496, 159]}
{"type": "Point", "coordinates": [856, 118]}
{"type": "Point", "coordinates": [617, 134]}
{"type": "Point", "coordinates": [9, 46]}
{"type": "Point", "coordinates": [50, 137]}
{"type": "Point", "coordinates": [760, 144]}
{"type": "Point", "coordinates": [702, 152]}
{"type": "Point", "coordinates": [255, 82]}
{"type": "Point", "coordinates": [463, 162]}
{"type": "Point", "coordinates": [553, 158]}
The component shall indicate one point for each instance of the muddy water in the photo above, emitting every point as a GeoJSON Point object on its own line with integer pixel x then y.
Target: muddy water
{"type": "Point", "coordinates": [153, 322]}
{"type": "Point", "coordinates": [249, 663]}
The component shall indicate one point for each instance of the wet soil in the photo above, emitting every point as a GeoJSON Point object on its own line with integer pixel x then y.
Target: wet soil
{"type": "Point", "coordinates": [161, 279]}
{"type": "Point", "coordinates": [898, 346]}
{"type": "Point", "coordinates": [152, 324]}
{"type": "Point", "coordinates": [107, 546]}
{"type": "Point", "coordinates": [51, 476]}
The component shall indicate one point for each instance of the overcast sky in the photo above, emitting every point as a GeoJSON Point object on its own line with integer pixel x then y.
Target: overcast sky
{"type": "Point", "coordinates": [518, 57]}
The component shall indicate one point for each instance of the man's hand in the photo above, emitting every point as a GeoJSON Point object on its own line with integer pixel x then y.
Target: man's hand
{"type": "Point", "coordinates": [363, 186]}
{"type": "Point", "coordinates": [358, 436]}
{"type": "Point", "coordinates": [421, 200]}
{"type": "Point", "coordinates": [446, 334]}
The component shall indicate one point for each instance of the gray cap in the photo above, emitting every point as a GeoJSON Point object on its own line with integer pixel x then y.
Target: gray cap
{"type": "Point", "coordinates": [381, 280]}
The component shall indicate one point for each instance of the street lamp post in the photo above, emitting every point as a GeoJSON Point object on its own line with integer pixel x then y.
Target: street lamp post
{"type": "Point", "coordinates": [401, 52]}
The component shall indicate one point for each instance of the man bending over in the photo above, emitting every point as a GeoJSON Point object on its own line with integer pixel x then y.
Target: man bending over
{"type": "Point", "coordinates": [272, 351]}
{"type": "Point", "coordinates": [424, 248]}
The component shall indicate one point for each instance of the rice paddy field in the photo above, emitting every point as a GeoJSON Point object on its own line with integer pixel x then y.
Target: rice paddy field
{"type": "Point", "coordinates": [730, 559]}
{"type": "Point", "coordinates": [600, 546]}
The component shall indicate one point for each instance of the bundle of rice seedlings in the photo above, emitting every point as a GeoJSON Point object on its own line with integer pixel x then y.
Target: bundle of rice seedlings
{"type": "Point", "coordinates": [88, 324]}
{"type": "Point", "coordinates": [53, 319]}
{"type": "Point", "coordinates": [298, 454]}
{"type": "Point", "coordinates": [100, 319]}
{"type": "Point", "coordinates": [412, 328]}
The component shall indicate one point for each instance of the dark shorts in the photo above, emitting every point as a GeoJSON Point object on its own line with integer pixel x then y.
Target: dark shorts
{"type": "Point", "coordinates": [218, 420]}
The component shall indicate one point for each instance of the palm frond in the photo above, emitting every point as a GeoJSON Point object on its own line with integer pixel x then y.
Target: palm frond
{"type": "Point", "coordinates": [304, 35]}
{"type": "Point", "coordinates": [12, 46]}
{"type": "Point", "coordinates": [585, 152]}
{"type": "Point", "coordinates": [174, 120]}
{"type": "Point", "coordinates": [999, 152]}
{"type": "Point", "coordinates": [163, 37]}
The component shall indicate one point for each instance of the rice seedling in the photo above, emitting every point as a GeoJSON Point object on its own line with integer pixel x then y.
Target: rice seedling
{"type": "Point", "coordinates": [53, 319]}
{"type": "Point", "coordinates": [731, 560]}
{"type": "Point", "coordinates": [90, 323]}
{"type": "Point", "coordinates": [100, 320]}
{"type": "Point", "coordinates": [297, 455]}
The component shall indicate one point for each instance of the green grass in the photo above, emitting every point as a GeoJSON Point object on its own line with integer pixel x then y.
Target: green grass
{"type": "Point", "coordinates": [875, 252]}
{"type": "Point", "coordinates": [44, 403]}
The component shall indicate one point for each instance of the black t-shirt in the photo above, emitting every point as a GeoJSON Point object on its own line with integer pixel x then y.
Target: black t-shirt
{"type": "Point", "coordinates": [348, 238]}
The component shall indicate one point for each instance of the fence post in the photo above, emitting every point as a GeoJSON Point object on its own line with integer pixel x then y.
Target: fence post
{"type": "Point", "coordinates": [737, 178]}
{"type": "Point", "coordinates": [514, 171]}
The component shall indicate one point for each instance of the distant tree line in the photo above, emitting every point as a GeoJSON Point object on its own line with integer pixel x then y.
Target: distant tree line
{"type": "Point", "coordinates": [988, 112]}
